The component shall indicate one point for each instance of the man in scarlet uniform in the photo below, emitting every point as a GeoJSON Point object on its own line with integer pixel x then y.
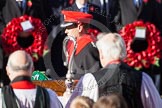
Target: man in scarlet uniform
{"type": "Point", "coordinates": [86, 57]}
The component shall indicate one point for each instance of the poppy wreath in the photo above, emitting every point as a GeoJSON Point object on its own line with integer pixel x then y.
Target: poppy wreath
{"type": "Point", "coordinates": [151, 55]}
{"type": "Point", "coordinates": [11, 33]}
{"type": "Point", "coordinates": [93, 33]}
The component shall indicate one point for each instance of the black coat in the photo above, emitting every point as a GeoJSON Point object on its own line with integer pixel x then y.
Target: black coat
{"type": "Point", "coordinates": [108, 14]}
{"type": "Point", "coordinates": [120, 78]}
{"type": "Point", "coordinates": [85, 60]}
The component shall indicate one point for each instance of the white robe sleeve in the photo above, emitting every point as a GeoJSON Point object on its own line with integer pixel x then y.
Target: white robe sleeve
{"type": "Point", "coordinates": [90, 88]}
{"type": "Point", "coordinates": [87, 86]}
{"type": "Point", "coordinates": [149, 94]}
{"type": "Point", "coordinates": [54, 101]}
{"type": "Point", "coordinates": [0, 98]}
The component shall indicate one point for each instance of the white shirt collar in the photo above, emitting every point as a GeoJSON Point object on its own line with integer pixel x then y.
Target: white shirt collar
{"type": "Point", "coordinates": [80, 5]}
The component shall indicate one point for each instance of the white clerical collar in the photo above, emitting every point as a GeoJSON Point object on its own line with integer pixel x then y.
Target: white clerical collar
{"type": "Point", "coordinates": [80, 5]}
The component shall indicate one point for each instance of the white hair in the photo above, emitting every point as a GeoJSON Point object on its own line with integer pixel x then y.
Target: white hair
{"type": "Point", "coordinates": [114, 47]}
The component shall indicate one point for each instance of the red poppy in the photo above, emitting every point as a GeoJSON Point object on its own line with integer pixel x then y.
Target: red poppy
{"type": "Point", "coordinates": [93, 33]}
{"type": "Point", "coordinates": [29, 3]}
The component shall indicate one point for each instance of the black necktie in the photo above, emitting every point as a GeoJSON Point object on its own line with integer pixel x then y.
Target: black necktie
{"type": "Point", "coordinates": [20, 5]}
{"type": "Point", "coordinates": [104, 6]}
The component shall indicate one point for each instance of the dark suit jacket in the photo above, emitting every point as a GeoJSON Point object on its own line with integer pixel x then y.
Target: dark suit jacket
{"type": "Point", "coordinates": [39, 9]}
{"type": "Point", "coordinates": [96, 2]}
{"type": "Point", "coordinates": [146, 12]}
{"type": "Point", "coordinates": [113, 10]}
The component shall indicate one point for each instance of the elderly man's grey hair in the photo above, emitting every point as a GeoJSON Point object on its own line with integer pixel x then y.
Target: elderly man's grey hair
{"type": "Point", "coordinates": [101, 35]}
{"type": "Point", "coordinates": [111, 44]}
{"type": "Point", "coordinates": [27, 66]}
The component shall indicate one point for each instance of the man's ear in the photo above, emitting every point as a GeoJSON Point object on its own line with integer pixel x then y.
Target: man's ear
{"type": "Point", "coordinates": [32, 69]}
{"type": "Point", "coordinates": [7, 70]}
{"type": "Point", "coordinates": [101, 54]}
{"type": "Point", "coordinates": [80, 27]}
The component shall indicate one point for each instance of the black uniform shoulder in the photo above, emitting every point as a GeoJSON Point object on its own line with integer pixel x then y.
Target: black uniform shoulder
{"type": "Point", "coordinates": [90, 48]}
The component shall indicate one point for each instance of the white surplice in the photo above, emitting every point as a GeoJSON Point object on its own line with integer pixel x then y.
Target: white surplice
{"type": "Point", "coordinates": [26, 98]}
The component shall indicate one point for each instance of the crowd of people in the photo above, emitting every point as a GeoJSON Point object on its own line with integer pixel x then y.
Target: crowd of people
{"type": "Point", "coordinates": [83, 39]}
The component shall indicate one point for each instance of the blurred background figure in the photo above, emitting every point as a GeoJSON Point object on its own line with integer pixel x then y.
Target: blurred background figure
{"type": "Point", "coordinates": [15, 8]}
{"type": "Point", "coordinates": [82, 102]}
{"type": "Point", "coordinates": [111, 101]}
{"type": "Point", "coordinates": [132, 10]}
{"type": "Point", "coordinates": [108, 10]}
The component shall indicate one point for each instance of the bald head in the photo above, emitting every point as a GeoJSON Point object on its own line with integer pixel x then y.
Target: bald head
{"type": "Point", "coordinates": [20, 61]}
